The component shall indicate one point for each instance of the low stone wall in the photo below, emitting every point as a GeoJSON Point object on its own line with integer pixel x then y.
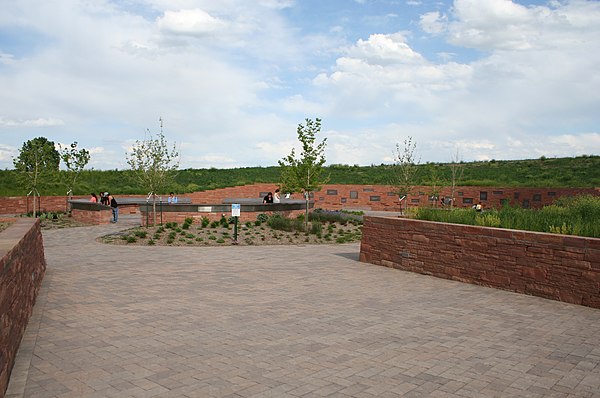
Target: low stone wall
{"type": "Point", "coordinates": [22, 268]}
{"type": "Point", "coordinates": [558, 267]}
{"type": "Point", "coordinates": [179, 212]}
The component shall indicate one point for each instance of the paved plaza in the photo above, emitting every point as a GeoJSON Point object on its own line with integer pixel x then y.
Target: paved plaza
{"type": "Point", "coordinates": [287, 321]}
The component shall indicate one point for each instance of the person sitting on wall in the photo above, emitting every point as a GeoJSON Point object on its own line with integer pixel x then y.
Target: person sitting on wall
{"type": "Point", "coordinates": [276, 197]}
{"type": "Point", "coordinates": [268, 198]}
{"type": "Point", "coordinates": [172, 198]}
{"type": "Point", "coordinates": [93, 198]}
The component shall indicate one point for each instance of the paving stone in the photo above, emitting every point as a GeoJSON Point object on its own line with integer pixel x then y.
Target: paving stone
{"type": "Point", "coordinates": [287, 321]}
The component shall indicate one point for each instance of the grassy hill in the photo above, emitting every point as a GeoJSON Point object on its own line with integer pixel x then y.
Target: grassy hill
{"type": "Point", "coordinates": [580, 172]}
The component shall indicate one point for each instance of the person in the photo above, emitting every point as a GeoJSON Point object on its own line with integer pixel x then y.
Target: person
{"type": "Point", "coordinates": [114, 206]}
{"type": "Point", "coordinates": [172, 198]}
{"type": "Point", "coordinates": [276, 197]}
{"type": "Point", "coordinates": [479, 207]}
{"type": "Point", "coordinates": [104, 199]}
{"type": "Point", "coordinates": [288, 195]}
{"type": "Point", "coordinates": [94, 198]}
{"type": "Point", "coordinates": [268, 198]}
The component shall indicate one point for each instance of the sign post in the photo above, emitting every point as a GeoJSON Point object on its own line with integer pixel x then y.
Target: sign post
{"type": "Point", "coordinates": [236, 209]}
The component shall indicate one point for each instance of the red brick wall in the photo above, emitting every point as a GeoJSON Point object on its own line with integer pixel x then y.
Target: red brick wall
{"type": "Point", "coordinates": [558, 267]}
{"type": "Point", "coordinates": [336, 197]}
{"type": "Point", "coordinates": [380, 197]}
{"type": "Point", "coordinates": [22, 268]}
{"type": "Point", "coordinates": [92, 217]}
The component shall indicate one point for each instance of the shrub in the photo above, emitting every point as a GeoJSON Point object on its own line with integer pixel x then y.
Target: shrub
{"type": "Point", "coordinates": [189, 220]}
{"type": "Point", "coordinates": [487, 220]}
{"type": "Point", "coordinates": [141, 234]}
{"type": "Point", "coordinates": [220, 240]}
{"type": "Point", "coordinates": [214, 224]}
{"type": "Point", "coordinates": [249, 241]}
{"type": "Point", "coordinates": [205, 221]}
{"type": "Point", "coordinates": [199, 239]}
{"type": "Point", "coordinates": [223, 221]}
{"type": "Point", "coordinates": [212, 237]}
{"type": "Point", "coordinates": [189, 235]}
{"type": "Point", "coordinates": [316, 228]}
{"type": "Point", "coordinates": [151, 242]}
{"type": "Point", "coordinates": [262, 217]}
{"type": "Point", "coordinates": [249, 224]}
{"type": "Point", "coordinates": [185, 226]}
{"type": "Point", "coordinates": [278, 222]}
{"type": "Point", "coordinates": [131, 239]}
{"type": "Point", "coordinates": [160, 230]}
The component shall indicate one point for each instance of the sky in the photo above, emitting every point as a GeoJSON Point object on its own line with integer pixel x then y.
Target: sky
{"type": "Point", "coordinates": [231, 80]}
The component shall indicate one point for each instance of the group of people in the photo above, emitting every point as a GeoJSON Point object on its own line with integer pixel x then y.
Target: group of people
{"type": "Point", "coordinates": [108, 200]}
{"type": "Point", "coordinates": [274, 198]}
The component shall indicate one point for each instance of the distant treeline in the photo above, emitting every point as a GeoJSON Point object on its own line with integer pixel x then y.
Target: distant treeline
{"type": "Point", "coordinates": [578, 172]}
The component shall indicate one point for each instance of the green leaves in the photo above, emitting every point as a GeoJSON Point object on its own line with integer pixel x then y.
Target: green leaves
{"type": "Point", "coordinates": [304, 173]}
{"type": "Point", "coordinates": [36, 158]}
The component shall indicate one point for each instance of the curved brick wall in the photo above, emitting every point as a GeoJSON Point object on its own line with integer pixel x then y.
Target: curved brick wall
{"type": "Point", "coordinates": [558, 267]}
{"type": "Point", "coordinates": [22, 269]}
{"type": "Point", "coordinates": [337, 196]}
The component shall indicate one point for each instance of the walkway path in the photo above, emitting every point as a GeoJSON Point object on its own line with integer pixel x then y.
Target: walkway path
{"type": "Point", "coordinates": [117, 321]}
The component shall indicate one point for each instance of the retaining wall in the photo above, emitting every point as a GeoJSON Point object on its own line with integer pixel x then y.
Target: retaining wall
{"type": "Point", "coordinates": [22, 268]}
{"type": "Point", "coordinates": [558, 267]}
{"type": "Point", "coordinates": [338, 196]}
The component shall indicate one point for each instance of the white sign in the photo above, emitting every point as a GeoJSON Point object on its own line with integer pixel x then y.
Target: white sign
{"type": "Point", "coordinates": [236, 209]}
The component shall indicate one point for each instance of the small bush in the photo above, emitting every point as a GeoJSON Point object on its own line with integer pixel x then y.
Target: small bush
{"type": "Point", "coordinates": [151, 242]}
{"type": "Point", "coordinates": [220, 240]}
{"type": "Point", "coordinates": [199, 239]}
{"type": "Point", "coordinates": [131, 239]}
{"type": "Point", "coordinates": [223, 221]}
{"type": "Point", "coordinates": [205, 221]}
{"type": "Point", "coordinates": [189, 235]}
{"type": "Point", "coordinates": [212, 237]}
{"type": "Point", "coordinates": [214, 224]}
{"type": "Point", "coordinates": [249, 224]}
{"type": "Point", "coordinates": [185, 226]}
{"type": "Point", "coordinates": [189, 220]}
{"type": "Point", "coordinates": [262, 217]}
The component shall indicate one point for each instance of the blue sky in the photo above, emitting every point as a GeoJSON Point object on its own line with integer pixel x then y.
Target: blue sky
{"type": "Point", "coordinates": [484, 79]}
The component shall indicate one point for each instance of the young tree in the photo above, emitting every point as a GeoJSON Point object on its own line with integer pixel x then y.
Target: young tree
{"type": "Point", "coordinates": [75, 161]}
{"type": "Point", "coordinates": [305, 173]}
{"type": "Point", "coordinates": [457, 168]}
{"type": "Point", "coordinates": [406, 169]}
{"type": "Point", "coordinates": [153, 163]}
{"type": "Point", "coordinates": [435, 184]}
{"type": "Point", "coordinates": [38, 158]}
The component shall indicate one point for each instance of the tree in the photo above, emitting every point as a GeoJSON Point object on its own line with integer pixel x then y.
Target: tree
{"type": "Point", "coordinates": [75, 161]}
{"type": "Point", "coordinates": [457, 168]}
{"type": "Point", "coordinates": [305, 173]}
{"type": "Point", "coordinates": [38, 158]}
{"type": "Point", "coordinates": [405, 169]}
{"type": "Point", "coordinates": [435, 185]}
{"type": "Point", "coordinates": [153, 163]}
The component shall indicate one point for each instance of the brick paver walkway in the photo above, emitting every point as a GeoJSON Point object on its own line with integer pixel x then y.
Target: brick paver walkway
{"type": "Point", "coordinates": [116, 321]}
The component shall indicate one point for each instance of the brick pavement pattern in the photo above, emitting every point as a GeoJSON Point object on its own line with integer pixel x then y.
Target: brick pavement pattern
{"type": "Point", "coordinates": [287, 321]}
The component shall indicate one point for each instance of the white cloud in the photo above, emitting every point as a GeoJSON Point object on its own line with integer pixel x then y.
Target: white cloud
{"type": "Point", "coordinates": [40, 122]}
{"type": "Point", "coordinates": [433, 22]}
{"type": "Point", "coordinates": [193, 22]}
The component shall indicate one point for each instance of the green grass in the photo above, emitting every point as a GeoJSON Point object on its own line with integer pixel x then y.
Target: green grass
{"type": "Point", "coordinates": [570, 215]}
{"type": "Point", "coordinates": [580, 172]}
